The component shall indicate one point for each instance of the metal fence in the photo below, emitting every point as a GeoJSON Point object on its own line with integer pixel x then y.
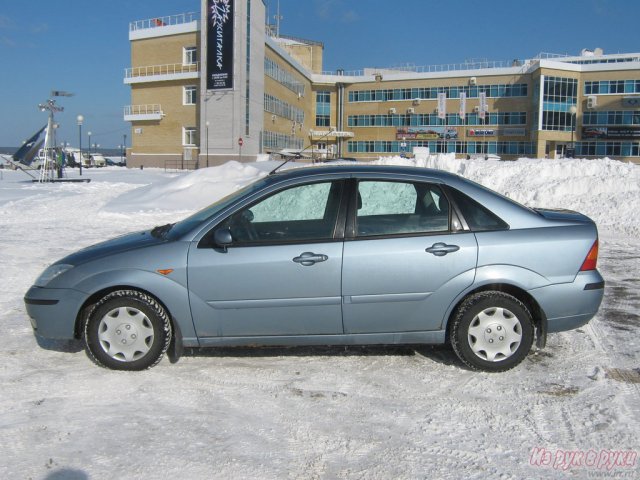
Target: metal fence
{"type": "Point", "coordinates": [177, 165]}
{"type": "Point", "coordinates": [164, 21]}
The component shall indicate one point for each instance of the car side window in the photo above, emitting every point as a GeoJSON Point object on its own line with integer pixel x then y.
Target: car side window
{"type": "Point", "coordinates": [477, 216]}
{"type": "Point", "coordinates": [305, 212]}
{"type": "Point", "coordinates": [394, 208]}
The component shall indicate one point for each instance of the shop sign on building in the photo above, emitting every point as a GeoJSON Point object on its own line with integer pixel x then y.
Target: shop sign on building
{"type": "Point", "coordinates": [430, 133]}
{"type": "Point", "coordinates": [220, 44]}
{"type": "Point", "coordinates": [481, 132]}
{"type": "Point", "coordinates": [631, 102]}
{"type": "Point", "coordinates": [513, 132]}
{"type": "Point", "coordinates": [619, 133]}
{"type": "Point", "coordinates": [492, 132]}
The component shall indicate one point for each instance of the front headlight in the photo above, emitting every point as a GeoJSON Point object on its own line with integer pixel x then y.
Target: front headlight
{"type": "Point", "coordinates": [50, 273]}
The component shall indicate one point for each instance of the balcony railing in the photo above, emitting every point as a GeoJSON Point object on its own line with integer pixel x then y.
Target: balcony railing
{"type": "Point", "coordinates": [143, 112]}
{"type": "Point", "coordinates": [163, 21]}
{"type": "Point", "coordinates": [158, 70]}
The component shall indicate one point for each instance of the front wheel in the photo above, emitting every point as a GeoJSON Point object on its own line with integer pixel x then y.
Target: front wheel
{"type": "Point", "coordinates": [491, 331]}
{"type": "Point", "coordinates": [127, 330]}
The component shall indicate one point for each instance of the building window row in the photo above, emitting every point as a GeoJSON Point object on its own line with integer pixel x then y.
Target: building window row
{"type": "Point", "coordinates": [557, 121]}
{"type": "Point", "coordinates": [190, 95]}
{"type": "Point", "coordinates": [323, 109]}
{"type": "Point", "coordinates": [282, 76]}
{"type": "Point", "coordinates": [189, 136]}
{"type": "Point", "coordinates": [432, 119]}
{"type": "Point", "coordinates": [624, 149]}
{"type": "Point", "coordinates": [621, 117]}
{"type": "Point", "coordinates": [499, 148]}
{"type": "Point", "coordinates": [604, 60]}
{"type": "Point", "coordinates": [283, 109]}
{"type": "Point", "coordinates": [560, 89]}
{"type": "Point", "coordinates": [278, 141]}
{"type": "Point", "coordinates": [559, 95]}
{"type": "Point", "coordinates": [602, 87]}
{"type": "Point", "coordinates": [431, 93]}
{"type": "Point", "coordinates": [189, 55]}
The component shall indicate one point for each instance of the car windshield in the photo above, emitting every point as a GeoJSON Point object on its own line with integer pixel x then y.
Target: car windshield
{"type": "Point", "coordinates": [189, 223]}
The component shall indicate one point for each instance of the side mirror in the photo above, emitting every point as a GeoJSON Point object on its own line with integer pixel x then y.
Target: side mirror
{"type": "Point", "coordinates": [222, 238]}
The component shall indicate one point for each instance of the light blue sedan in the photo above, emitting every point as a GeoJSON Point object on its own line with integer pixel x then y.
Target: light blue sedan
{"type": "Point", "coordinates": [332, 255]}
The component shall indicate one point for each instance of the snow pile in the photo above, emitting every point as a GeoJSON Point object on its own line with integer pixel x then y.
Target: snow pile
{"type": "Point", "coordinates": [190, 192]}
{"type": "Point", "coordinates": [608, 191]}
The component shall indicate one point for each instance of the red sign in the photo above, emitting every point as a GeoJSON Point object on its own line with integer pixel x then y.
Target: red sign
{"type": "Point", "coordinates": [240, 141]}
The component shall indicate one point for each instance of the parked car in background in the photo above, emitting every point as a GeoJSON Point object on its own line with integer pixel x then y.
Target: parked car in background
{"type": "Point", "coordinates": [115, 162]}
{"type": "Point", "coordinates": [93, 160]}
{"type": "Point", "coordinates": [98, 160]}
{"type": "Point", "coordinates": [332, 255]}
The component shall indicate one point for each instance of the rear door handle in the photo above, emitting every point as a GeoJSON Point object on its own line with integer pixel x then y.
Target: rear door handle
{"type": "Point", "coordinates": [310, 258]}
{"type": "Point", "coordinates": [441, 249]}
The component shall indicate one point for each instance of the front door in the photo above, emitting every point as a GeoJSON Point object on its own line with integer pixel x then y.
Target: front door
{"type": "Point", "coordinates": [406, 260]}
{"type": "Point", "coordinates": [280, 276]}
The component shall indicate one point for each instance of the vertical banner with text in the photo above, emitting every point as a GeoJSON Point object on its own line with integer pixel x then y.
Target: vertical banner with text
{"type": "Point", "coordinates": [483, 105]}
{"type": "Point", "coordinates": [442, 105]}
{"type": "Point", "coordinates": [463, 105]}
{"type": "Point", "coordinates": [220, 44]}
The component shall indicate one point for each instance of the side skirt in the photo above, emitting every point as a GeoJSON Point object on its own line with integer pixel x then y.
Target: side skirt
{"type": "Point", "coordinates": [400, 338]}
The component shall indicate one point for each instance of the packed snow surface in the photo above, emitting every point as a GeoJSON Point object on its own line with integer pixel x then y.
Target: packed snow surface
{"type": "Point", "coordinates": [358, 412]}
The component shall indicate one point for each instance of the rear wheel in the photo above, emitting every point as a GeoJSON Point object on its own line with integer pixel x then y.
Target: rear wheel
{"type": "Point", "coordinates": [127, 330]}
{"type": "Point", "coordinates": [492, 331]}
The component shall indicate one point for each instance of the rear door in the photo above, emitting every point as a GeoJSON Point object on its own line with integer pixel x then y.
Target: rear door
{"type": "Point", "coordinates": [405, 258]}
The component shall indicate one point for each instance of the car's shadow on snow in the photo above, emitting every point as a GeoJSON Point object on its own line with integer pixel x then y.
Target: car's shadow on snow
{"type": "Point", "coordinates": [66, 346]}
{"type": "Point", "coordinates": [436, 353]}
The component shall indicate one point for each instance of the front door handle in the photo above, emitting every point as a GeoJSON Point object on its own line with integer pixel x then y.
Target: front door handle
{"type": "Point", "coordinates": [310, 258]}
{"type": "Point", "coordinates": [441, 249]}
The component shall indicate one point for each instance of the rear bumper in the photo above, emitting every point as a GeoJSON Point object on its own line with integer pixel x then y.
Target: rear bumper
{"type": "Point", "coordinates": [571, 305]}
{"type": "Point", "coordinates": [53, 311]}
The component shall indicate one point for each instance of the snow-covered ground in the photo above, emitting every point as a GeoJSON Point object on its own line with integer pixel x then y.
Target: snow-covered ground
{"type": "Point", "coordinates": [373, 412]}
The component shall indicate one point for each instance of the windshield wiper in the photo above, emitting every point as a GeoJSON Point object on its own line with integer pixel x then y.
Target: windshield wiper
{"type": "Point", "coordinates": [161, 230]}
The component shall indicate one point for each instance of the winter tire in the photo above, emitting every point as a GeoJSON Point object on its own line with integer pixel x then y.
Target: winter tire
{"type": "Point", "coordinates": [127, 330]}
{"type": "Point", "coordinates": [491, 331]}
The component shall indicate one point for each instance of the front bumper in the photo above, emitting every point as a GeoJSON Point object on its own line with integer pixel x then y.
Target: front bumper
{"type": "Point", "coordinates": [53, 311]}
{"type": "Point", "coordinates": [571, 305]}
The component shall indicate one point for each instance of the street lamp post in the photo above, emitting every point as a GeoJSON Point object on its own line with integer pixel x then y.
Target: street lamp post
{"type": "Point", "coordinates": [80, 119]}
{"type": "Point", "coordinates": [572, 111]}
{"type": "Point", "coordinates": [124, 146]}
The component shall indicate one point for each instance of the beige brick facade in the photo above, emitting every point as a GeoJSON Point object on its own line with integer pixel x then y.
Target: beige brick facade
{"type": "Point", "coordinates": [532, 122]}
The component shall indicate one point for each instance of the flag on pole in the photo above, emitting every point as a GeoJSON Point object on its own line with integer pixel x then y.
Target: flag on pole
{"type": "Point", "coordinates": [442, 105]}
{"type": "Point", "coordinates": [483, 105]}
{"type": "Point", "coordinates": [463, 105]}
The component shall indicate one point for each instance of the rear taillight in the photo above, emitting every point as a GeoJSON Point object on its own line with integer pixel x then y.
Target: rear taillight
{"type": "Point", "coordinates": [592, 258]}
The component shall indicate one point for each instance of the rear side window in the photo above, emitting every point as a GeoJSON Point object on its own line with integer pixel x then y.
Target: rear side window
{"type": "Point", "coordinates": [478, 218]}
{"type": "Point", "coordinates": [400, 208]}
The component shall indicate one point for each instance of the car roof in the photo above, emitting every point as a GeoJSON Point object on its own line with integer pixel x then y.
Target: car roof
{"type": "Point", "coordinates": [347, 169]}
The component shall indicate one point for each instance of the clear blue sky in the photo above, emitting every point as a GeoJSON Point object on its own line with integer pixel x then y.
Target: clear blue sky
{"type": "Point", "coordinates": [82, 46]}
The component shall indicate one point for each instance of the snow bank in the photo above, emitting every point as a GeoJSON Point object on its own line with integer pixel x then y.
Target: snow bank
{"type": "Point", "coordinates": [190, 192]}
{"type": "Point", "coordinates": [606, 190]}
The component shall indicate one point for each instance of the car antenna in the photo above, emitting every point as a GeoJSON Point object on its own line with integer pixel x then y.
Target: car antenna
{"type": "Point", "coordinates": [300, 152]}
